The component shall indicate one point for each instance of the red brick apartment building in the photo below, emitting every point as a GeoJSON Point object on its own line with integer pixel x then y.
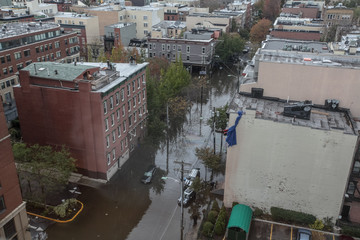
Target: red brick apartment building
{"type": "Point", "coordinates": [98, 110]}
{"type": "Point", "coordinates": [13, 218]}
{"type": "Point", "coordinates": [23, 43]}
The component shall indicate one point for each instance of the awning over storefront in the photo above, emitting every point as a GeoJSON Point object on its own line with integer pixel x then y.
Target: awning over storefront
{"type": "Point", "coordinates": [240, 217]}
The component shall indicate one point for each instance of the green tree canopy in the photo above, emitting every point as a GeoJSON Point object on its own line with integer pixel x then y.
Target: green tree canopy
{"type": "Point", "coordinates": [229, 45]}
{"type": "Point", "coordinates": [221, 121]}
{"type": "Point", "coordinates": [210, 160]}
{"type": "Point", "coordinates": [43, 169]}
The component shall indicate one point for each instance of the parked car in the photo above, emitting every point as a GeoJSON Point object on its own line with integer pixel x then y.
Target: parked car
{"type": "Point", "coordinates": [148, 175]}
{"type": "Point", "coordinates": [195, 172]}
{"type": "Point", "coordinates": [303, 234]}
{"type": "Point", "coordinates": [343, 237]}
{"type": "Point", "coordinates": [189, 194]}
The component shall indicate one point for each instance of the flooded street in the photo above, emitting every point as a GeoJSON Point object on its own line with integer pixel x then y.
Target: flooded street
{"type": "Point", "coordinates": [125, 208]}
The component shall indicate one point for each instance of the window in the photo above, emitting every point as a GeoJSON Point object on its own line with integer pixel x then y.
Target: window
{"type": "Point", "coordinates": [188, 49]}
{"type": "Point", "coordinates": [57, 44]}
{"type": "Point", "coordinates": [11, 70]}
{"type": "Point", "coordinates": [128, 89]}
{"type": "Point", "coordinates": [129, 105]}
{"type": "Point", "coordinates": [114, 136]}
{"type": "Point", "coordinates": [113, 153]}
{"type": "Point", "coordinates": [2, 85]}
{"type": "Point", "coordinates": [106, 124]}
{"type": "Point", "coordinates": [174, 47]}
{"type": "Point", "coordinates": [145, 17]}
{"type": "Point", "coordinates": [2, 204]}
{"type": "Point", "coordinates": [150, 47]}
{"type": "Point", "coordinates": [108, 158]}
{"type": "Point", "coordinates": [356, 168]}
{"type": "Point", "coordinates": [188, 58]}
{"type": "Point", "coordinates": [145, 24]}
{"type": "Point", "coordinates": [41, 48]}
{"type": "Point", "coordinates": [12, 82]}
{"type": "Point", "coordinates": [10, 230]}
{"type": "Point", "coordinates": [111, 102]}
{"type": "Point", "coordinates": [117, 98]}
{"type": "Point", "coordinates": [119, 130]}
{"type": "Point", "coordinates": [138, 80]}
{"type": "Point", "coordinates": [124, 126]}
{"type": "Point", "coordinates": [122, 95]}
{"type": "Point", "coordinates": [130, 120]}
{"type": "Point", "coordinates": [133, 85]}
{"type": "Point", "coordinates": [134, 101]}
{"type": "Point", "coordinates": [112, 119]}
{"type": "Point", "coordinates": [154, 46]}
{"type": "Point", "coordinates": [143, 79]}
{"type": "Point", "coordinates": [203, 50]}
{"type": "Point", "coordinates": [8, 83]}
{"type": "Point", "coordinates": [144, 94]}
{"type": "Point", "coordinates": [163, 47]}
{"type": "Point", "coordinates": [126, 142]}
{"type": "Point", "coordinates": [351, 188]}
{"type": "Point", "coordinates": [139, 97]}
{"type": "Point", "coordinates": [46, 47]}
{"type": "Point", "coordinates": [135, 116]}
{"type": "Point", "coordinates": [50, 46]}
{"type": "Point", "coordinates": [37, 50]}
{"type": "Point", "coordinates": [58, 54]}
{"type": "Point", "coordinates": [17, 56]}
{"type": "Point", "coordinates": [19, 66]}
{"type": "Point", "coordinates": [123, 110]}
{"type": "Point", "coordinates": [118, 114]}
{"type": "Point", "coordinates": [107, 141]}
{"type": "Point", "coordinates": [105, 107]}
{"type": "Point", "coordinates": [5, 71]}
{"type": "Point", "coordinates": [122, 145]}
{"type": "Point", "coordinates": [8, 58]}
{"type": "Point", "coordinates": [168, 47]}
{"type": "Point", "coordinates": [179, 48]}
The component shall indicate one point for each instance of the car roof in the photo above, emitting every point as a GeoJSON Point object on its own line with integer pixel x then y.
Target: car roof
{"type": "Point", "coordinates": [194, 172]}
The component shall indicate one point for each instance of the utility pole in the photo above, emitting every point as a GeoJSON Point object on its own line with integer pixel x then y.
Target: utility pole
{"type": "Point", "coordinates": [182, 197]}
{"type": "Point", "coordinates": [214, 129]}
{"type": "Point", "coordinates": [167, 138]}
{"type": "Point", "coordinates": [201, 100]}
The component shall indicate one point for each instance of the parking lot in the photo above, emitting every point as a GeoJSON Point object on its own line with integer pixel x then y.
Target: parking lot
{"type": "Point", "coordinates": [273, 231]}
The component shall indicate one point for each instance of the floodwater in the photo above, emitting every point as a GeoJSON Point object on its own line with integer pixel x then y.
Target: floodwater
{"type": "Point", "coordinates": [127, 209]}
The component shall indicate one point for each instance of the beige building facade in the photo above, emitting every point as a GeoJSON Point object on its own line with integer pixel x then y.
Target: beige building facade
{"type": "Point", "coordinates": [208, 21]}
{"type": "Point", "coordinates": [290, 163]}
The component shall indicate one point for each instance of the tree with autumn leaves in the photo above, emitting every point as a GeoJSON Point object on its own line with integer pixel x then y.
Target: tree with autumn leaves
{"type": "Point", "coordinates": [260, 30]}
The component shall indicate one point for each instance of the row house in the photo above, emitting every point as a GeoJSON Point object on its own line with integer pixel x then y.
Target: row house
{"type": "Point", "coordinates": [23, 43]}
{"type": "Point", "coordinates": [97, 110]}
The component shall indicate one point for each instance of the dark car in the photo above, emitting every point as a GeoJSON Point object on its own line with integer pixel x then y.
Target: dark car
{"type": "Point", "coordinates": [148, 175]}
{"type": "Point", "coordinates": [188, 195]}
{"type": "Point", "coordinates": [303, 234]}
{"type": "Point", "coordinates": [343, 237]}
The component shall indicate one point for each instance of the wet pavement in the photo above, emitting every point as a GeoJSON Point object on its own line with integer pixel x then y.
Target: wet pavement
{"type": "Point", "coordinates": [125, 208]}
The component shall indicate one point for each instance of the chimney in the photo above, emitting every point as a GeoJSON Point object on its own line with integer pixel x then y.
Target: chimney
{"type": "Point", "coordinates": [132, 61]}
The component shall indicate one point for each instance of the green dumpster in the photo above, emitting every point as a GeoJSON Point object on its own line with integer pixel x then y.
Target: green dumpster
{"type": "Point", "coordinates": [239, 222]}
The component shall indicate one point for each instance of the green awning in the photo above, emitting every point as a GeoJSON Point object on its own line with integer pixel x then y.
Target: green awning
{"type": "Point", "coordinates": [240, 217]}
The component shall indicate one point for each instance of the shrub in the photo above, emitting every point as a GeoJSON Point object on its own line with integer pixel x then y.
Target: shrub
{"type": "Point", "coordinates": [65, 208]}
{"type": "Point", "coordinates": [212, 216]}
{"type": "Point", "coordinates": [258, 212]}
{"type": "Point", "coordinates": [328, 224]}
{"type": "Point", "coordinates": [220, 227]}
{"type": "Point", "coordinates": [207, 229]}
{"type": "Point", "coordinates": [223, 214]}
{"type": "Point", "coordinates": [215, 206]}
{"type": "Point", "coordinates": [280, 214]}
{"type": "Point", "coordinates": [318, 225]}
{"type": "Point", "coordinates": [351, 231]}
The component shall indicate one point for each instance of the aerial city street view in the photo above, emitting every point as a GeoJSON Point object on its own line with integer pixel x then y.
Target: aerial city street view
{"type": "Point", "coordinates": [180, 119]}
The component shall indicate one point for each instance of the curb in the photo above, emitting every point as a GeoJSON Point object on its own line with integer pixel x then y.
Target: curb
{"type": "Point", "coordinates": [56, 220]}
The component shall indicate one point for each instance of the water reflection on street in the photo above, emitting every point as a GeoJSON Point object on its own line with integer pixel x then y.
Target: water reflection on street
{"type": "Point", "coordinates": [127, 209]}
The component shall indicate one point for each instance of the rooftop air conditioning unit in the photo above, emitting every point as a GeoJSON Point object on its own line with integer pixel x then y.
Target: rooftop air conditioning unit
{"type": "Point", "coordinates": [332, 104]}
{"type": "Point", "coordinates": [300, 110]}
{"type": "Point", "coordinates": [257, 92]}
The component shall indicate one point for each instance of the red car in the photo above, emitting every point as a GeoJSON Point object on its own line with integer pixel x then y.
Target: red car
{"type": "Point", "coordinates": [343, 237]}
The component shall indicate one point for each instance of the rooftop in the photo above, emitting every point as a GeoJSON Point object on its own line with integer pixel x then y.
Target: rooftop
{"type": "Point", "coordinates": [102, 80]}
{"type": "Point", "coordinates": [170, 24]}
{"type": "Point", "coordinates": [284, 44]}
{"type": "Point", "coordinates": [120, 25]}
{"type": "Point", "coordinates": [22, 28]}
{"type": "Point", "coordinates": [272, 110]}
{"type": "Point", "coordinates": [73, 15]}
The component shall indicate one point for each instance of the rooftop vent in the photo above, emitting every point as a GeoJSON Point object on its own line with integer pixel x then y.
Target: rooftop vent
{"type": "Point", "coordinates": [300, 110]}
{"type": "Point", "coordinates": [332, 104]}
{"type": "Point", "coordinates": [257, 92]}
{"type": "Point", "coordinates": [132, 61]}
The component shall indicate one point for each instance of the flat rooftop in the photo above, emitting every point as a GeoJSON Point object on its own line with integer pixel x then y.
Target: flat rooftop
{"type": "Point", "coordinates": [74, 15]}
{"type": "Point", "coordinates": [272, 110]}
{"type": "Point", "coordinates": [283, 44]}
{"type": "Point", "coordinates": [103, 80]}
{"type": "Point", "coordinates": [23, 28]}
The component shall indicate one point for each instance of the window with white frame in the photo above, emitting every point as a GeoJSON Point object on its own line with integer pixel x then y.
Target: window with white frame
{"type": "Point", "coordinates": [163, 47]}
{"type": "Point", "coordinates": [139, 98]}
{"type": "Point", "coordinates": [128, 89]}
{"type": "Point", "coordinates": [111, 102]}
{"type": "Point", "coordinates": [133, 85]}
{"type": "Point", "coordinates": [105, 107]}
{"type": "Point", "coordinates": [179, 48]}
{"type": "Point", "coordinates": [107, 141]}
{"type": "Point", "coordinates": [119, 130]}
{"type": "Point", "coordinates": [203, 50]}
{"type": "Point", "coordinates": [145, 17]}
{"type": "Point", "coordinates": [145, 24]}
{"type": "Point", "coordinates": [114, 154]}
{"type": "Point", "coordinates": [117, 98]}
{"type": "Point", "coordinates": [118, 114]}
{"type": "Point", "coordinates": [124, 126]}
{"type": "Point", "coordinates": [126, 142]}
{"type": "Point", "coordinates": [112, 119]}
{"type": "Point", "coordinates": [188, 49]}
{"type": "Point", "coordinates": [135, 116]}
{"type": "Point", "coordinates": [129, 105]}
{"type": "Point", "coordinates": [113, 136]}
{"type": "Point", "coordinates": [122, 145]}
{"type": "Point", "coordinates": [106, 125]}
{"type": "Point", "coordinates": [108, 158]}
{"type": "Point", "coordinates": [130, 120]}
{"type": "Point", "coordinates": [143, 93]}
{"type": "Point", "coordinates": [134, 101]}
{"type": "Point", "coordinates": [138, 82]}
{"type": "Point", "coordinates": [123, 110]}
{"type": "Point", "coordinates": [122, 95]}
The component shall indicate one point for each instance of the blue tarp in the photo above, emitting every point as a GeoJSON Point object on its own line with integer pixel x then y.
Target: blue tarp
{"type": "Point", "coordinates": [231, 134]}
